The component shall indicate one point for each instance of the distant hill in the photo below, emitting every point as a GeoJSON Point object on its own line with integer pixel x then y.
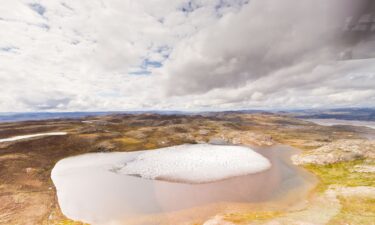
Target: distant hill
{"type": "Point", "coordinates": [367, 114]}
{"type": "Point", "coordinates": [26, 116]}
{"type": "Point", "coordinates": [30, 116]}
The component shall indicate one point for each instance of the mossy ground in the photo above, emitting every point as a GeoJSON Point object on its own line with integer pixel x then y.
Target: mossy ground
{"type": "Point", "coordinates": [355, 209]}
{"type": "Point", "coordinates": [342, 174]}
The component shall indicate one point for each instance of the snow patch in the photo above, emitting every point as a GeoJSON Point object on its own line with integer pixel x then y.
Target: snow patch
{"type": "Point", "coordinates": [21, 137]}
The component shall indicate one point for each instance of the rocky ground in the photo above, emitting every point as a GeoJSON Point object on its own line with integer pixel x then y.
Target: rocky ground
{"type": "Point", "coordinates": [344, 195]}
{"type": "Point", "coordinates": [338, 151]}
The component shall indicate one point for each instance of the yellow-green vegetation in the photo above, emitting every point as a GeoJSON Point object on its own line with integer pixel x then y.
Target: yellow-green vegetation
{"type": "Point", "coordinates": [69, 222]}
{"type": "Point", "coordinates": [341, 174]}
{"type": "Point", "coordinates": [128, 141]}
{"type": "Point", "coordinates": [355, 210]}
{"type": "Point", "coordinates": [244, 218]}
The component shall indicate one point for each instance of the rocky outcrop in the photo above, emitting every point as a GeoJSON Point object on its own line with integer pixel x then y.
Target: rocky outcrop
{"type": "Point", "coordinates": [105, 146]}
{"type": "Point", "coordinates": [243, 138]}
{"type": "Point", "coordinates": [338, 151]}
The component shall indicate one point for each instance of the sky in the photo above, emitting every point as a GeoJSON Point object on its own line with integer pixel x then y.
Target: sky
{"type": "Point", "coordinates": [106, 55]}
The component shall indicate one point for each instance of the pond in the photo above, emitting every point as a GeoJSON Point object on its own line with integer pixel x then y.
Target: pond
{"type": "Point", "coordinates": [91, 189]}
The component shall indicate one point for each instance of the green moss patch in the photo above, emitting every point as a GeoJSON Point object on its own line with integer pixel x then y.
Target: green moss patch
{"type": "Point", "coordinates": [355, 210]}
{"type": "Point", "coordinates": [341, 174]}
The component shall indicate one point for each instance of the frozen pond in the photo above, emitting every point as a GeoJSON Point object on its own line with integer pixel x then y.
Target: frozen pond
{"type": "Point", "coordinates": [199, 163]}
{"type": "Point", "coordinates": [110, 188]}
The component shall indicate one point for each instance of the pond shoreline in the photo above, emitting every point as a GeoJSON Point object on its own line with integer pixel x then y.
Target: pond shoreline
{"type": "Point", "coordinates": [269, 187]}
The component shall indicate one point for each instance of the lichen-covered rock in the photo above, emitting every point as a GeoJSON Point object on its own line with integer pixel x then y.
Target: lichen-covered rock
{"type": "Point", "coordinates": [364, 169]}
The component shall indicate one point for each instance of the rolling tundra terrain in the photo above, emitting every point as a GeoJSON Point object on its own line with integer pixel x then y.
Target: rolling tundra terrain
{"type": "Point", "coordinates": [340, 157]}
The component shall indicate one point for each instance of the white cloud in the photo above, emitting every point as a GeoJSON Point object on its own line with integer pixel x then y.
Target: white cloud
{"type": "Point", "coordinates": [123, 54]}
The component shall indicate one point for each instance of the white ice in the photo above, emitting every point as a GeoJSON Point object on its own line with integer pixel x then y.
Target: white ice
{"type": "Point", "coordinates": [190, 163]}
{"type": "Point", "coordinates": [21, 137]}
{"type": "Point", "coordinates": [196, 163]}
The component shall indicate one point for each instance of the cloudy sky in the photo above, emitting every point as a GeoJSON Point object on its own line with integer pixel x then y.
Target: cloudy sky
{"type": "Point", "coordinates": [69, 55]}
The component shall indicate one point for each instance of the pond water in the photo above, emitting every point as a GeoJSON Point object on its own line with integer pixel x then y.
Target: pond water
{"type": "Point", "coordinates": [97, 194]}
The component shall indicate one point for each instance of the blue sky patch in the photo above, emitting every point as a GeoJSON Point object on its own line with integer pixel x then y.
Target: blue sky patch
{"type": "Point", "coordinates": [148, 63]}
{"type": "Point", "coordinates": [189, 7]}
{"type": "Point", "coordinates": [8, 49]}
{"type": "Point", "coordinates": [140, 72]}
{"type": "Point", "coordinates": [38, 8]}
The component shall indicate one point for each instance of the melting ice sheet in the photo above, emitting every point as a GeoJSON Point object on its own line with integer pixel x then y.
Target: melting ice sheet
{"type": "Point", "coordinates": [196, 163]}
{"type": "Point", "coordinates": [102, 188]}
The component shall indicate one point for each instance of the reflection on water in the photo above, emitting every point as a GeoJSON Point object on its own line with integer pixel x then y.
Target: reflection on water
{"type": "Point", "coordinates": [100, 196]}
